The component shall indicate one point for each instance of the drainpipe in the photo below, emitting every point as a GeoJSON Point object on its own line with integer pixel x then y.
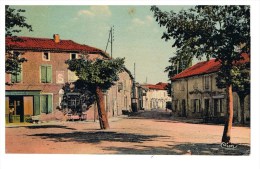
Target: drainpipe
{"type": "Point", "coordinates": [187, 109]}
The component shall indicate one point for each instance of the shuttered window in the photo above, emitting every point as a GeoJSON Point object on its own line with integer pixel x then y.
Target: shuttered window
{"type": "Point", "coordinates": [46, 73]}
{"type": "Point", "coordinates": [46, 103]}
{"type": "Point", "coordinates": [17, 78]}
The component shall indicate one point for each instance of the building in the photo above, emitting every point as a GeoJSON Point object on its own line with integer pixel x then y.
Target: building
{"type": "Point", "coordinates": [195, 93]}
{"type": "Point", "coordinates": [154, 96]}
{"type": "Point", "coordinates": [38, 88]}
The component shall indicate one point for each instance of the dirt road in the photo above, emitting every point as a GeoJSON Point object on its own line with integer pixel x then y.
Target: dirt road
{"type": "Point", "coordinates": [146, 133]}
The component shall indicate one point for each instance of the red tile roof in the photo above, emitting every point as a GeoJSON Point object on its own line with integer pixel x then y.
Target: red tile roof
{"type": "Point", "coordinates": [206, 67]}
{"type": "Point", "coordinates": [158, 86]}
{"type": "Point", "coordinates": [30, 43]}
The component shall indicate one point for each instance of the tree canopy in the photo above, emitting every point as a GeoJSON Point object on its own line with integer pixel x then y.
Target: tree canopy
{"type": "Point", "coordinates": [14, 21]}
{"type": "Point", "coordinates": [98, 73]}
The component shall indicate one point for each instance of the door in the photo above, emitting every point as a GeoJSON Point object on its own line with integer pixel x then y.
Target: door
{"type": "Point", "coordinates": [16, 108]}
{"type": "Point", "coordinates": [28, 105]}
{"type": "Point", "coordinates": [183, 105]}
{"type": "Point", "coordinates": [206, 107]}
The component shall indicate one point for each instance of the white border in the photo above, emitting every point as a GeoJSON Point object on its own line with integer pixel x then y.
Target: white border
{"type": "Point", "coordinates": [141, 161]}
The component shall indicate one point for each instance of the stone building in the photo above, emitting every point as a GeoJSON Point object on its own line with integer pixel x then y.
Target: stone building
{"type": "Point", "coordinates": [195, 93]}
{"type": "Point", "coordinates": [38, 88]}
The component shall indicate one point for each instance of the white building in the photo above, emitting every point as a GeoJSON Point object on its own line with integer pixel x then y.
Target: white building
{"type": "Point", "coordinates": [155, 96]}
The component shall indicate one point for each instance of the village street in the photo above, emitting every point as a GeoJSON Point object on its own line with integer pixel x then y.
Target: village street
{"type": "Point", "coordinates": [152, 133]}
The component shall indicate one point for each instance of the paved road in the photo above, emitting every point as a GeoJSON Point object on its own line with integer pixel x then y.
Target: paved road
{"type": "Point", "coordinates": [145, 133]}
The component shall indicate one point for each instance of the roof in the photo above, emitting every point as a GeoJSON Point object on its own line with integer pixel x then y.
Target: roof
{"type": "Point", "coordinates": [206, 67]}
{"type": "Point", "coordinates": [158, 86]}
{"type": "Point", "coordinates": [31, 43]}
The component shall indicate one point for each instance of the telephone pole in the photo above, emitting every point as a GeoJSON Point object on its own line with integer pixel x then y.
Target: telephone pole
{"type": "Point", "coordinates": [110, 40]}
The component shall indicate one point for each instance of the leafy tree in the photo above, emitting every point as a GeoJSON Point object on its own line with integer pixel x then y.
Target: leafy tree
{"type": "Point", "coordinates": [14, 22]}
{"type": "Point", "coordinates": [221, 32]}
{"type": "Point", "coordinates": [178, 63]}
{"type": "Point", "coordinates": [98, 76]}
{"type": "Point", "coordinates": [241, 84]}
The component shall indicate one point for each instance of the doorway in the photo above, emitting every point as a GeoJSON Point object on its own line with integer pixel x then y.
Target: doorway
{"type": "Point", "coordinates": [183, 108]}
{"type": "Point", "coordinates": [207, 108]}
{"type": "Point", "coordinates": [16, 109]}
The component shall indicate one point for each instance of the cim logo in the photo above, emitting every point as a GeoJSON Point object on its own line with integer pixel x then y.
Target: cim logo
{"type": "Point", "coordinates": [228, 145]}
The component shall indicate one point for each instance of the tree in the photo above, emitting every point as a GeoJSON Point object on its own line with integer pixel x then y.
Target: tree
{"type": "Point", "coordinates": [178, 63]}
{"type": "Point", "coordinates": [221, 32]}
{"type": "Point", "coordinates": [98, 76]}
{"type": "Point", "coordinates": [14, 22]}
{"type": "Point", "coordinates": [241, 84]}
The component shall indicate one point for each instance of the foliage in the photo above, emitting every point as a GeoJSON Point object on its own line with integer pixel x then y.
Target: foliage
{"type": "Point", "coordinates": [98, 73]}
{"type": "Point", "coordinates": [14, 21]}
{"type": "Point", "coordinates": [178, 63]}
{"type": "Point", "coordinates": [85, 96]}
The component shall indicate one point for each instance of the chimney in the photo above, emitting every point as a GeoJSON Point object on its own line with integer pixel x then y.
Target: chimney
{"type": "Point", "coordinates": [56, 38]}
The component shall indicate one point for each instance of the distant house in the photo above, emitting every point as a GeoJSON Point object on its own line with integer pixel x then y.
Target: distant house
{"type": "Point", "coordinates": [195, 93]}
{"type": "Point", "coordinates": [154, 96]}
{"type": "Point", "coordinates": [38, 88]}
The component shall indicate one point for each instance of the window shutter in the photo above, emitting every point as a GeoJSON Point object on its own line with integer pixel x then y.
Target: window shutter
{"type": "Point", "coordinates": [13, 78]}
{"type": "Point", "coordinates": [43, 104]}
{"type": "Point", "coordinates": [19, 75]}
{"type": "Point", "coordinates": [49, 103]}
{"type": "Point", "coordinates": [49, 74]}
{"type": "Point", "coordinates": [43, 74]}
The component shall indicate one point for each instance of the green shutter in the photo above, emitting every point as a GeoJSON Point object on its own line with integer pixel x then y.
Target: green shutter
{"type": "Point", "coordinates": [49, 103]}
{"type": "Point", "coordinates": [19, 75]}
{"type": "Point", "coordinates": [43, 104]}
{"type": "Point", "coordinates": [43, 74]}
{"type": "Point", "coordinates": [13, 78]}
{"type": "Point", "coordinates": [36, 105]}
{"type": "Point", "coordinates": [49, 74]}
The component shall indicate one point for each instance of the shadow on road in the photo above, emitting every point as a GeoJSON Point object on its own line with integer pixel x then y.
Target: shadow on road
{"type": "Point", "coordinates": [49, 126]}
{"type": "Point", "coordinates": [97, 137]}
{"type": "Point", "coordinates": [183, 149]}
{"type": "Point", "coordinates": [162, 116]}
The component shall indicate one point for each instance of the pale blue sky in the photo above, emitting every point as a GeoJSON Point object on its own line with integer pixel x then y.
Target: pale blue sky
{"type": "Point", "coordinates": [137, 34]}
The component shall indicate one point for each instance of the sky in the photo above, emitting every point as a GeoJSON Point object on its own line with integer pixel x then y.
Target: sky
{"type": "Point", "coordinates": [137, 36]}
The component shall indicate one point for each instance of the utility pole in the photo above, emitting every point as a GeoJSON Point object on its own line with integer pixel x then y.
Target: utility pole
{"type": "Point", "coordinates": [110, 40]}
{"type": "Point", "coordinates": [134, 99]}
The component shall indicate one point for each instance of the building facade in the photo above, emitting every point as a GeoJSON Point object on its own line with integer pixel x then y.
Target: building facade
{"type": "Point", "coordinates": [154, 96]}
{"type": "Point", "coordinates": [38, 88]}
{"type": "Point", "coordinates": [195, 93]}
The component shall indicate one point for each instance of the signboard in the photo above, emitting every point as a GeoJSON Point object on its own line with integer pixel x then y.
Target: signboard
{"type": "Point", "coordinates": [60, 77]}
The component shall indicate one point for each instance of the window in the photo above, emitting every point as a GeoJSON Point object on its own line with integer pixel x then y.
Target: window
{"type": "Point", "coordinates": [175, 105]}
{"type": "Point", "coordinates": [46, 56]}
{"type": "Point", "coordinates": [46, 103]}
{"type": "Point", "coordinates": [17, 77]}
{"type": "Point", "coordinates": [195, 85]}
{"type": "Point", "coordinates": [206, 82]}
{"type": "Point", "coordinates": [46, 73]}
{"type": "Point", "coordinates": [218, 106]}
{"type": "Point", "coordinates": [73, 56]}
{"type": "Point", "coordinates": [120, 86]}
{"type": "Point", "coordinates": [181, 86]}
{"type": "Point", "coordinates": [196, 105]}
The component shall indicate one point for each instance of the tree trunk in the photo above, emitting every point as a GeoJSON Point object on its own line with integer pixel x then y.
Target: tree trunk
{"type": "Point", "coordinates": [242, 107]}
{"type": "Point", "coordinates": [229, 118]}
{"type": "Point", "coordinates": [102, 114]}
